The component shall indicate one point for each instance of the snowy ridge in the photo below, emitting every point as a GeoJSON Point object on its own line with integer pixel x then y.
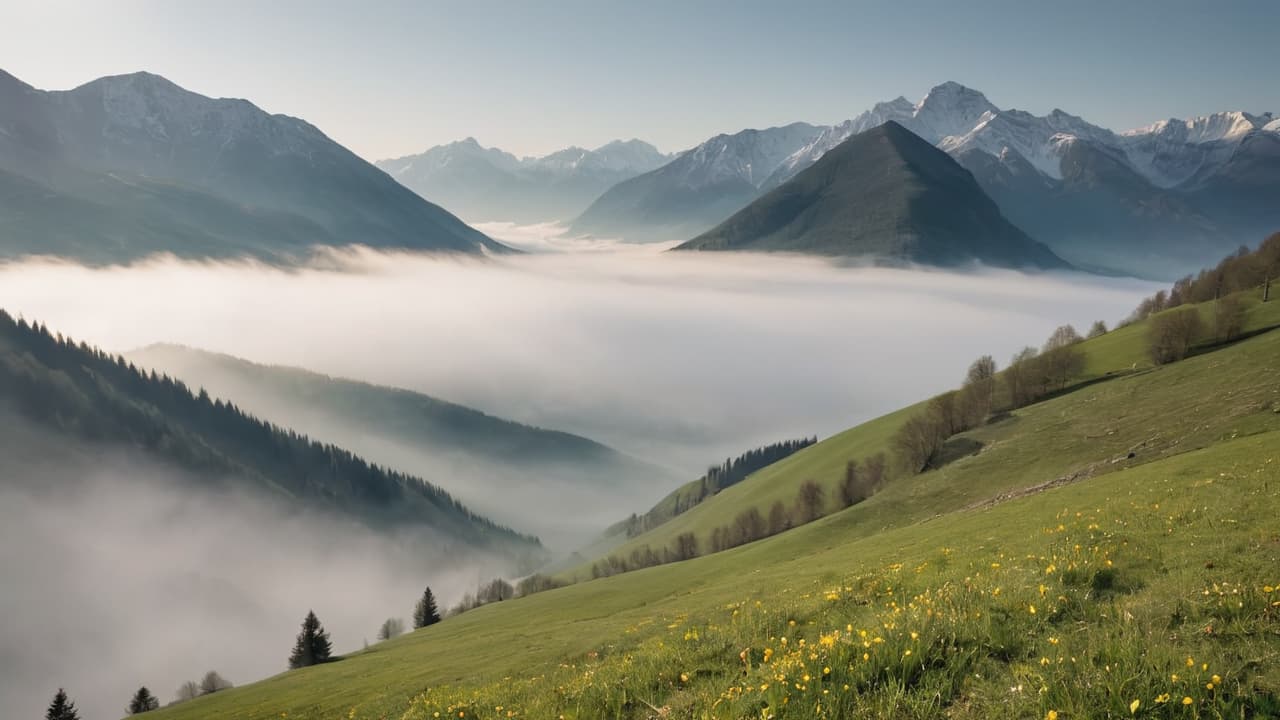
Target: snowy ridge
{"type": "Point", "coordinates": [959, 119]}
{"type": "Point", "coordinates": [1171, 152]}
{"type": "Point", "coordinates": [899, 109]}
{"type": "Point", "coordinates": [750, 156]}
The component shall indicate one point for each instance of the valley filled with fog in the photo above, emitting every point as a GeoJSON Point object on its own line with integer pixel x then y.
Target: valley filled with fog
{"type": "Point", "coordinates": [678, 359]}
{"type": "Point", "coordinates": [133, 574]}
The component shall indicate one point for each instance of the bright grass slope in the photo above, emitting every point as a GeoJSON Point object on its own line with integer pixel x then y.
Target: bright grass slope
{"type": "Point", "coordinates": [1145, 587]}
{"type": "Point", "coordinates": [1028, 447]}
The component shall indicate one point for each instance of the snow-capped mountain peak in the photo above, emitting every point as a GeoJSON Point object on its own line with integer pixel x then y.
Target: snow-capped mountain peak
{"type": "Point", "coordinates": [1171, 152]}
{"type": "Point", "coordinates": [949, 109]}
{"type": "Point", "coordinates": [750, 155]}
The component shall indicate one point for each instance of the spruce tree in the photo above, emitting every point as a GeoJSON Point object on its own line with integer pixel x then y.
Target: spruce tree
{"type": "Point", "coordinates": [312, 646]}
{"type": "Point", "coordinates": [425, 612]}
{"type": "Point", "coordinates": [143, 701]}
{"type": "Point", "coordinates": [61, 708]}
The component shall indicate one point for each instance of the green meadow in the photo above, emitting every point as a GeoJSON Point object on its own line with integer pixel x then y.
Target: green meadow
{"type": "Point", "coordinates": [1111, 551]}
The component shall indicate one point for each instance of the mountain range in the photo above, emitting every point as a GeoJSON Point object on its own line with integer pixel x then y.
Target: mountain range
{"type": "Point", "coordinates": [487, 184]}
{"type": "Point", "coordinates": [501, 468]}
{"type": "Point", "coordinates": [886, 194]}
{"type": "Point", "coordinates": [1157, 201]}
{"type": "Point", "coordinates": [128, 166]}
{"type": "Point", "coordinates": [696, 190]}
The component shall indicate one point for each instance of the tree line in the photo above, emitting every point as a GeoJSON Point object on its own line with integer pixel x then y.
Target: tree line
{"type": "Point", "coordinates": [1244, 269]}
{"type": "Point", "coordinates": [1176, 326]}
{"type": "Point", "coordinates": [143, 700]}
{"type": "Point", "coordinates": [312, 646]}
{"type": "Point", "coordinates": [717, 477]}
{"type": "Point", "coordinates": [83, 391]}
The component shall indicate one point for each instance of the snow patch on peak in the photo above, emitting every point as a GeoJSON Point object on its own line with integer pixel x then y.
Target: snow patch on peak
{"type": "Point", "coordinates": [1171, 152]}
{"type": "Point", "coordinates": [1228, 126]}
{"type": "Point", "coordinates": [752, 156]}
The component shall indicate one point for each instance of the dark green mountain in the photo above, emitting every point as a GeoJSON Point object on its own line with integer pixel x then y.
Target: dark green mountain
{"type": "Point", "coordinates": [129, 166]}
{"type": "Point", "coordinates": [559, 485]}
{"type": "Point", "coordinates": [88, 399]}
{"type": "Point", "coordinates": [887, 195]}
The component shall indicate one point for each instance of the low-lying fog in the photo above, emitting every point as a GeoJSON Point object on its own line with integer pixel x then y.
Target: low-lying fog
{"type": "Point", "coordinates": [118, 574]}
{"type": "Point", "coordinates": [680, 359]}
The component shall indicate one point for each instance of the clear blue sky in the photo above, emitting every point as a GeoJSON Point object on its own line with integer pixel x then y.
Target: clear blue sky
{"type": "Point", "coordinates": [391, 78]}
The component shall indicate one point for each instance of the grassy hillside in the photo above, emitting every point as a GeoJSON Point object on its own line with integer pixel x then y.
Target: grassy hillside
{"type": "Point", "coordinates": [1098, 419]}
{"type": "Point", "coordinates": [1049, 573]}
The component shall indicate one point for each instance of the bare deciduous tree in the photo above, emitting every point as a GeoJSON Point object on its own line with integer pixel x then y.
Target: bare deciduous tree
{"type": "Point", "coordinates": [810, 501]}
{"type": "Point", "coordinates": [1020, 376]}
{"type": "Point", "coordinates": [1228, 318]}
{"type": "Point", "coordinates": [1172, 334]}
{"type": "Point", "coordinates": [189, 690]}
{"type": "Point", "coordinates": [213, 682]}
{"type": "Point", "coordinates": [918, 441]}
{"type": "Point", "coordinates": [779, 518]}
{"type": "Point", "coordinates": [749, 526]}
{"type": "Point", "coordinates": [391, 627]}
{"type": "Point", "coordinates": [686, 546]}
{"type": "Point", "coordinates": [1061, 357]}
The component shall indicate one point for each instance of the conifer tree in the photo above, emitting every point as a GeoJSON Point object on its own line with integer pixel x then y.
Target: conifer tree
{"type": "Point", "coordinates": [425, 612]}
{"type": "Point", "coordinates": [313, 646]}
{"type": "Point", "coordinates": [61, 708]}
{"type": "Point", "coordinates": [143, 701]}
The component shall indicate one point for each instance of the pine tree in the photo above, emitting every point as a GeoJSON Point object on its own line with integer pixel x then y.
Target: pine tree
{"type": "Point", "coordinates": [313, 644]}
{"type": "Point", "coordinates": [425, 612]}
{"type": "Point", "coordinates": [143, 701]}
{"type": "Point", "coordinates": [61, 708]}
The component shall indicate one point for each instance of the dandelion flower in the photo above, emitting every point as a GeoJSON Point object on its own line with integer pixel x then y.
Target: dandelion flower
{"type": "Point", "coordinates": [1187, 700]}
{"type": "Point", "coordinates": [1133, 706]}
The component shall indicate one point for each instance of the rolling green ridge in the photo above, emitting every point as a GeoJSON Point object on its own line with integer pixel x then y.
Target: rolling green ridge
{"type": "Point", "coordinates": [89, 398]}
{"type": "Point", "coordinates": [714, 481]}
{"type": "Point", "coordinates": [498, 468]}
{"type": "Point", "coordinates": [1049, 572]}
{"type": "Point", "coordinates": [303, 398]}
{"type": "Point", "coordinates": [1120, 351]}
